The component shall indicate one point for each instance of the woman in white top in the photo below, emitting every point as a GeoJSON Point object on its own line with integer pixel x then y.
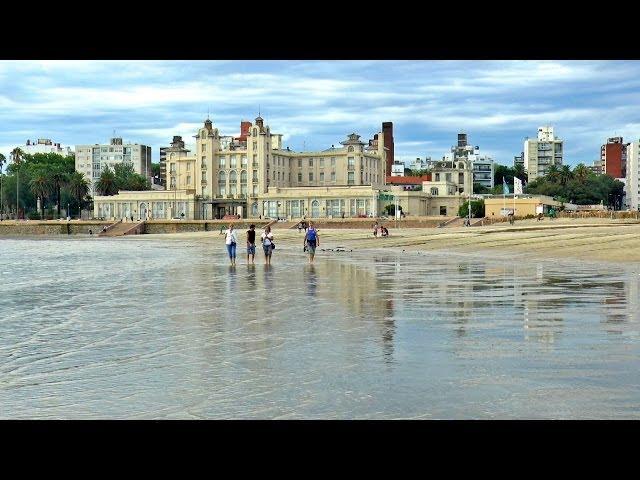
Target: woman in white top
{"type": "Point", "coordinates": [267, 244]}
{"type": "Point", "coordinates": [231, 239]}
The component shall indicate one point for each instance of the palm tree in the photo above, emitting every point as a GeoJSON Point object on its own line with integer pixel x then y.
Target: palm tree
{"type": "Point", "coordinates": [40, 187]}
{"type": "Point", "coordinates": [553, 174]}
{"type": "Point", "coordinates": [58, 180]}
{"type": "Point", "coordinates": [3, 160]}
{"type": "Point", "coordinates": [106, 184]}
{"type": "Point", "coordinates": [78, 186]}
{"type": "Point", "coordinates": [565, 174]}
{"type": "Point", "coordinates": [581, 172]}
{"type": "Point", "coordinates": [17, 155]}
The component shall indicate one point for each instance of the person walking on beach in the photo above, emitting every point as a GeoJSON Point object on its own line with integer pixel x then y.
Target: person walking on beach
{"type": "Point", "coordinates": [311, 241]}
{"type": "Point", "coordinates": [251, 243]}
{"type": "Point", "coordinates": [267, 244]}
{"type": "Point", "coordinates": [375, 229]}
{"type": "Point", "coordinates": [231, 241]}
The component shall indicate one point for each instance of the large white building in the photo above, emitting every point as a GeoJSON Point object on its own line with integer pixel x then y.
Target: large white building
{"type": "Point", "coordinates": [45, 145]}
{"type": "Point", "coordinates": [483, 170]}
{"type": "Point", "coordinates": [397, 169]}
{"type": "Point", "coordinates": [632, 186]}
{"type": "Point", "coordinates": [542, 152]}
{"type": "Point", "coordinates": [92, 159]}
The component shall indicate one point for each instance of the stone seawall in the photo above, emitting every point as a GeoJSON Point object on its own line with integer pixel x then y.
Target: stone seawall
{"type": "Point", "coordinates": [25, 228]}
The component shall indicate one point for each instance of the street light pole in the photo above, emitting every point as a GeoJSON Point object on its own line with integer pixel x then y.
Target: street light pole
{"type": "Point", "coordinates": [17, 194]}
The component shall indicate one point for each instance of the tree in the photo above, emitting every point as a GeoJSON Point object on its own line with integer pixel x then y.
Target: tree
{"type": "Point", "coordinates": [553, 174]}
{"type": "Point", "coordinates": [477, 209]}
{"type": "Point", "coordinates": [58, 180]}
{"type": "Point", "coordinates": [78, 188]}
{"type": "Point", "coordinates": [581, 172]}
{"type": "Point", "coordinates": [565, 174]}
{"type": "Point", "coordinates": [478, 188]}
{"type": "Point", "coordinates": [3, 160]}
{"type": "Point", "coordinates": [106, 184]}
{"type": "Point", "coordinates": [41, 187]}
{"type": "Point", "coordinates": [17, 155]}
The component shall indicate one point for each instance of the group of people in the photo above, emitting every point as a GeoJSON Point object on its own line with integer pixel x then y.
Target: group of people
{"type": "Point", "coordinates": [311, 242]}
{"type": "Point", "coordinates": [384, 232]}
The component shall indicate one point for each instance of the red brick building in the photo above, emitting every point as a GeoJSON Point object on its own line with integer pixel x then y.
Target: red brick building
{"type": "Point", "coordinates": [613, 155]}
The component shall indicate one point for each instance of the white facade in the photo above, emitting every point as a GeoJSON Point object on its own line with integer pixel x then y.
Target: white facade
{"type": "Point", "coordinates": [45, 145]}
{"type": "Point", "coordinates": [92, 159]}
{"type": "Point", "coordinates": [397, 169]}
{"type": "Point", "coordinates": [483, 170]}
{"type": "Point", "coordinates": [632, 187]}
{"type": "Point", "coordinates": [542, 152]}
{"type": "Point", "coordinates": [419, 164]}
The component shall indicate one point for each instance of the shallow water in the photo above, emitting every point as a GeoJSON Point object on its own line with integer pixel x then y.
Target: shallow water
{"type": "Point", "coordinates": [150, 328]}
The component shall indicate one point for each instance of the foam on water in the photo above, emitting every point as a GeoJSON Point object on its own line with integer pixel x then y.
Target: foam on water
{"type": "Point", "coordinates": [146, 328]}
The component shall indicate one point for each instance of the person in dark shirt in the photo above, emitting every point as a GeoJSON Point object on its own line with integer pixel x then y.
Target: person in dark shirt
{"type": "Point", "coordinates": [251, 243]}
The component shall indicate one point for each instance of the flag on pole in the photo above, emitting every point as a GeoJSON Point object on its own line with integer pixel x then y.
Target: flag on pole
{"type": "Point", "coordinates": [505, 187]}
{"type": "Point", "coordinates": [517, 186]}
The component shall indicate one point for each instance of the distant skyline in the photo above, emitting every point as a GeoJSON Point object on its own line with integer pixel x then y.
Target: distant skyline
{"type": "Point", "coordinates": [317, 103]}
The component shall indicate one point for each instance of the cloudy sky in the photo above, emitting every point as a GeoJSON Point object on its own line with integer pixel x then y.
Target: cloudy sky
{"type": "Point", "coordinates": [316, 103]}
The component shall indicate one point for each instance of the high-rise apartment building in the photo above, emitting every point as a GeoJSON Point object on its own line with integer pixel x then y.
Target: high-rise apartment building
{"type": "Point", "coordinates": [92, 159]}
{"type": "Point", "coordinates": [45, 145]}
{"type": "Point", "coordinates": [632, 187]}
{"type": "Point", "coordinates": [542, 152]}
{"type": "Point", "coordinates": [518, 160]}
{"type": "Point", "coordinates": [613, 157]}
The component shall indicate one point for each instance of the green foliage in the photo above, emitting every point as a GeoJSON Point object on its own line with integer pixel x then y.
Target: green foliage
{"type": "Point", "coordinates": [122, 177]}
{"type": "Point", "coordinates": [478, 188]}
{"type": "Point", "coordinates": [580, 186]}
{"type": "Point", "coordinates": [477, 209]}
{"type": "Point", "coordinates": [155, 169]}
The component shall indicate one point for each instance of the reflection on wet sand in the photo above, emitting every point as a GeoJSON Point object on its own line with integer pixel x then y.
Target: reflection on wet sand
{"type": "Point", "coordinates": [355, 335]}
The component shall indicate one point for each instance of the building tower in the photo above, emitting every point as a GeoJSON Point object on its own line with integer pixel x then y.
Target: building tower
{"type": "Point", "coordinates": [387, 134]}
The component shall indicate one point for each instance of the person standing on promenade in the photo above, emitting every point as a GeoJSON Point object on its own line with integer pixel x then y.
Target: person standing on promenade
{"type": "Point", "coordinates": [311, 241]}
{"type": "Point", "coordinates": [231, 241]}
{"type": "Point", "coordinates": [251, 243]}
{"type": "Point", "coordinates": [375, 229]}
{"type": "Point", "coordinates": [267, 244]}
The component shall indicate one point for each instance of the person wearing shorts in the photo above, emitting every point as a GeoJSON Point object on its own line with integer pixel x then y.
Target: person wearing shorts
{"type": "Point", "coordinates": [251, 243]}
{"type": "Point", "coordinates": [311, 241]}
{"type": "Point", "coordinates": [267, 244]}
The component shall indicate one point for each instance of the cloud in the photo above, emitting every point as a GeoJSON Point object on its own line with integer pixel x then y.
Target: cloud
{"type": "Point", "coordinates": [316, 103]}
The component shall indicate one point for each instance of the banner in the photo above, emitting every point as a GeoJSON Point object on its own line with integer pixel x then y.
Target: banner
{"type": "Point", "coordinates": [517, 186]}
{"type": "Point", "coordinates": [505, 187]}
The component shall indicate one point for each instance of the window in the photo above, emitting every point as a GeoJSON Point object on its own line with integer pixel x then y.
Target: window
{"type": "Point", "coordinates": [322, 176]}
{"type": "Point", "coordinates": [350, 149]}
{"type": "Point", "coordinates": [350, 178]}
{"type": "Point", "coordinates": [232, 161]}
{"type": "Point", "coordinates": [255, 175]}
{"type": "Point", "coordinates": [311, 162]}
{"type": "Point", "coordinates": [188, 166]}
{"type": "Point", "coordinates": [222, 182]}
{"type": "Point", "coordinates": [333, 176]}
{"type": "Point", "coordinates": [223, 162]}
{"type": "Point", "coordinates": [188, 179]}
{"type": "Point", "coordinates": [255, 134]}
{"type": "Point", "coordinates": [311, 176]}
{"type": "Point", "coordinates": [243, 176]}
{"type": "Point", "coordinates": [322, 163]}
{"type": "Point", "coordinates": [447, 177]}
{"type": "Point", "coordinates": [299, 163]}
{"type": "Point", "coordinates": [255, 160]}
{"type": "Point", "coordinates": [204, 147]}
{"type": "Point", "coordinates": [204, 176]}
{"type": "Point", "coordinates": [172, 169]}
{"type": "Point", "coordinates": [351, 163]}
{"type": "Point", "coordinates": [255, 145]}
{"type": "Point", "coordinates": [437, 177]}
{"type": "Point", "coordinates": [300, 178]}
{"type": "Point", "coordinates": [243, 161]}
{"type": "Point", "coordinates": [434, 191]}
{"type": "Point", "coordinates": [333, 161]}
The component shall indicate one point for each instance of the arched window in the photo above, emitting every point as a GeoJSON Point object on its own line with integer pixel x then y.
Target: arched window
{"type": "Point", "coordinates": [243, 176]}
{"type": "Point", "coordinates": [461, 166]}
{"type": "Point", "coordinates": [255, 132]}
{"type": "Point", "coordinates": [233, 177]}
{"type": "Point", "coordinates": [434, 191]}
{"type": "Point", "coordinates": [350, 149]}
{"type": "Point", "coordinates": [222, 183]}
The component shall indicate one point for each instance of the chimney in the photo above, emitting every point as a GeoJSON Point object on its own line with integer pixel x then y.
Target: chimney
{"type": "Point", "coordinates": [387, 133]}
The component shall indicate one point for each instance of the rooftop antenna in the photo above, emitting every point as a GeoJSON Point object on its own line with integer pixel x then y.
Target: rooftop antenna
{"type": "Point", "coordinates": [207, 113]}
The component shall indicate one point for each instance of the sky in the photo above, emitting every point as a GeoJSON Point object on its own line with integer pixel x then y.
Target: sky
{"type": "Point", "coordinates": [315, 104]}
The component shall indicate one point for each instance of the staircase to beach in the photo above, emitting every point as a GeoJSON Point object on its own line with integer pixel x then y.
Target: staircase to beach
{"type": "Point", "coordinates": [120, 229]}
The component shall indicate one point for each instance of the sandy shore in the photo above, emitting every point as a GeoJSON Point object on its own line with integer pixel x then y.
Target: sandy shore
{"type": "Point", "coordinates": [585, 239]}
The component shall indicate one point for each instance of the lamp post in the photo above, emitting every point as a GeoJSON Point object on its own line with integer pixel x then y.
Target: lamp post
{"type": "Point", "coordinates": [17, 194]}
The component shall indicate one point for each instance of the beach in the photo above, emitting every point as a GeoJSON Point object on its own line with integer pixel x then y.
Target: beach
{"type": "Point", "coordinates": [580, 239]}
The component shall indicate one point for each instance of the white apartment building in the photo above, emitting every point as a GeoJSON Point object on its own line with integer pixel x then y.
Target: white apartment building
{"type": "Point", "coordinates": [92, 159]}
{"type": "Point", "coordinates": [632, 187]}
{"type": "Point", "coordinates": [483, 170]}
{"type": "Point", "coordinates": [45, 145]}
{"type": "Point", "coordinates": [419, 164]}
{"type": "Point", "coordinates": [397, 169]}
{"type": "Point", "coordinates": [542, 152]}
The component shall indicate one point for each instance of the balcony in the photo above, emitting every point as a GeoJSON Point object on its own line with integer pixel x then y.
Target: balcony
{"type": "Point", "coordinates": [230, 195]}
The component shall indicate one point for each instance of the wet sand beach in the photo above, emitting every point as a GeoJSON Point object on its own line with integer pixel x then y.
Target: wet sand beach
{"type": "Point", "coordinates": [580, 239]}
